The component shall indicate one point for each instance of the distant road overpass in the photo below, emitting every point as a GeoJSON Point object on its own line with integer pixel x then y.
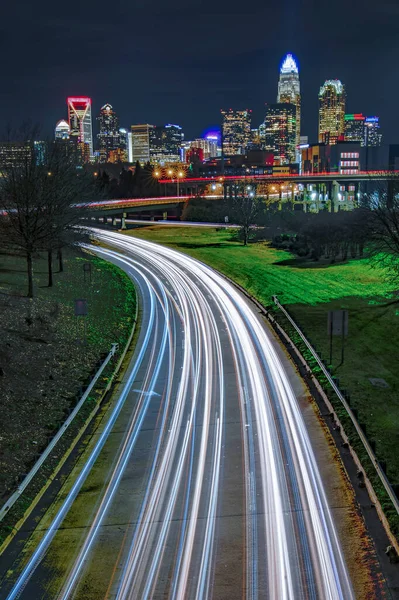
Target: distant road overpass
{"type": "Point", "coordinates": [130, 203]}
{"type": "Point", "coordinates": [332, 191]}
{"type": "Point", "coordinates": [348, 175]}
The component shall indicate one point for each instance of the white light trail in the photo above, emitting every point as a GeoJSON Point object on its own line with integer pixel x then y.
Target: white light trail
{"type": "Point", "coordinates": [290, 542]}
{"type": "Point", "coordinates": [280, 431]}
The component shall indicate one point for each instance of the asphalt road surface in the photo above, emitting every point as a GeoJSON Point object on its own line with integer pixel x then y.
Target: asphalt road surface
{"type": "Point", "coordinates": [201, 483]}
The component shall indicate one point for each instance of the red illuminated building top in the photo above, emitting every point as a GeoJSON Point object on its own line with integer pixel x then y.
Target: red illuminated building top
{"type": "Point", "coordinates": [79, 100]}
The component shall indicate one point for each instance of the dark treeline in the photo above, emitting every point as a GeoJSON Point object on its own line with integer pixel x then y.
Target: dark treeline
{"type": "Point", "coordinates": [138, 184]}
{"type": "Point", "coordinates": [371, 229]}
{"type": "Point", "coordinates": [334, 236]}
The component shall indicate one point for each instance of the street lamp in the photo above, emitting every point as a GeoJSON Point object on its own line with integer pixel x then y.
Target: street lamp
{"type": "Point", "coordinates": [170, 173]}
{"type": "Point", "coordinates": [180, 175]}
{"type": "Point", "coordinates": [157, 174]}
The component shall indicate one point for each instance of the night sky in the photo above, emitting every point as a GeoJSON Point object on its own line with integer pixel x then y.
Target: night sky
{"type": "Point", "coordinates": [180, 62]}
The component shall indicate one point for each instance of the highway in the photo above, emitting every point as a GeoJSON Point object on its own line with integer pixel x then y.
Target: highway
{"type": "Point", "coordinates": [201, 483]}
{"type": "Point", "coordinates": [183, 223]}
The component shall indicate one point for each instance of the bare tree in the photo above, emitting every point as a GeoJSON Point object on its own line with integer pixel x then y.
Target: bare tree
{"type": "Point", "coordinates": [23, 201]}
{"type": "Point", "coordinates": [70, 191]}
{"type": "Point", "coordinates": [41, 199]}
{"type": "Point", "coordinates": [247, 210]}
{"type": "Point", "coordinates": [383, 204]}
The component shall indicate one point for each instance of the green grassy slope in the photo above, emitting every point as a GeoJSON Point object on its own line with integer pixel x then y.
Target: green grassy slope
{"type": "Point", "coordinates": [264, 271]}
{"type": "Point", "coordinates": [310, 290]}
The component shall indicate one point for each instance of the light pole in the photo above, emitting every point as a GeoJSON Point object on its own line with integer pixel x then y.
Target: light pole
{"type": "Point", "coordinates": [170, 173]}
{"type": "Point", "coordinates": [180, 175]}
{"type": "Point", "coordinates": [157, 174]}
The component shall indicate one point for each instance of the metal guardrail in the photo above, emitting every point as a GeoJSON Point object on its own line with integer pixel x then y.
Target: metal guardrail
{"type": "Point", "coordinates": [380, 472]}
{"type": "Point", "coordinates": [23, 485]}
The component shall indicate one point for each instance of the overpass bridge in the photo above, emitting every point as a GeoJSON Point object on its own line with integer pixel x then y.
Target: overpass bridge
{"type": "Point", "coordinates": [343, 176]}
{"type": "Point", "coordinates": [315, 192]}
{"type": "Point", "coordinates": [305, 191]}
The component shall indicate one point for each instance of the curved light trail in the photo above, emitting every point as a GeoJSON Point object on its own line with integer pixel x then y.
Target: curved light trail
{"type": "Point", "coordinates": [230, 503]}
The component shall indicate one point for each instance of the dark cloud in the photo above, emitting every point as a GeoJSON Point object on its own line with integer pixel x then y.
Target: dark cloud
{"type": "Point", "coordinates": [182, 61]}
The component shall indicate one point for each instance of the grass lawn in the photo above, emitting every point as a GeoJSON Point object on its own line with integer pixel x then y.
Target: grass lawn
{"type": "Point", "coordinates": [43, 360]}
{"type": "Point", "coordinates": [310, 290]}
{"type": "Point", "coordinates": [264, 271]}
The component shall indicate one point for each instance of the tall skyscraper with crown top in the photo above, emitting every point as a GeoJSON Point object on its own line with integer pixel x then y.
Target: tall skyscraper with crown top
{"type": "Point", "coordinates": [289, 90]}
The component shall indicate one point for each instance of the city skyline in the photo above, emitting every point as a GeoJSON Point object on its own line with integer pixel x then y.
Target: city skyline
{"type": "Point", "coordinates": [279, 132]}
{"type": "Point", "coordinates": [164, 86]}
{"type": "Point", "coordinates": [288, 91]}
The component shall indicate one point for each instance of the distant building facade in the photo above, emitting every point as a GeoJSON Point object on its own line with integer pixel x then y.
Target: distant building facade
{"type": "Point", "coordinates": [62, 130]}
{"type": "Point", "coordinates": [21, 154]}
{"type": "Point", "coordinates": [236, 131]}
{"type": "Point", "coordinates": [372, 134]}
{"type": "Point", "coordinates": [124, 143]}
{"type": "Point", "coordinates": [332, 101]}
{"type": "Point", "coordinates": [208, 146]}
{"type": "Point", "coordinates": [109, 139]}
{"type": "Point", "coordinates": [365, 130]}
{"type": "Point", "coordinates": [15, 154]}
{"type": "Point", "coordinates": [354, 128]}
{"type": "Point", "coordinates": [279, 132]}
{"type": "Point", "coordinates": [141, 142]}
{"type": "Point", "coordinates": [342, 157]}
{"type": "Point", "coordinates": [174, 138]}
{"type": "Point", "coordinates": [165, 143]}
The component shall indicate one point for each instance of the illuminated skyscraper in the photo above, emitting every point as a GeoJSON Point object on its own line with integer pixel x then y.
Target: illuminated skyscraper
{"type": "Point", "coordinates": [15, 154]}
{"type": "Point", "coordinates": [331, 112]}
{"type": "Point", "coordinates": [372, 135]}
{"type": "Point", "coordinates": [365, 130]}
{"type": "Point", "coordinates": [141, 142]}
{"type": "Point", "coordinates": [236, 128]}
{"type": "Point", "coordinates": [208, 145]}
{"type": "Point", "coordinates": [174, 138]}
{"type": "Point", "coordinates": [109, 136]}
{"type": "Point", "coordinates": [124, 143]}
{"type": "Point", "coordinates": [165, 143]}
{"type": "Point", "coordinates": [279, 132]}
{"type": "Point", "coordinates": [354, 128]}
{"type": "Point", "coordinates": [62, 130]}
{"type": "Point", "coordinates": [81, 130]}
{"type": "Point", "coordinates": [289, 90]}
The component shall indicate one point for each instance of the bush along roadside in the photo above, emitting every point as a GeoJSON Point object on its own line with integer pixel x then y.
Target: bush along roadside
{"type": "Point", "coordinates": [347, 425]}
{"type": "Point", "coordinates": [127, 310]}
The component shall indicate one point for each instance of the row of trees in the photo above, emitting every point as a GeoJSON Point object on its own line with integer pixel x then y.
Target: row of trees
{"type": "Point", "coordinates": [41, 203]}
{"type": "Point", "coordinates": [139, 183]}
{"type": "Point", "coordinates": [335, 236]}
{"type": "Point", "coordinates": [372, 228]}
